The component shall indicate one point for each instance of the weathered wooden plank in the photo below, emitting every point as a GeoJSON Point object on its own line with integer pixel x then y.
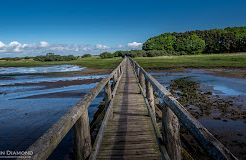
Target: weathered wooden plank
{"type": "Point", "coordinates": [126, 128]}
{"type": "Point", "coordinates": [127, 152]}
{"type": "Point", "coordinates": [103, 125]}
{"type": "Point", "coordinates": [127, 139]}
{"type": "Point", "coordinates": [130, 125]}
{"type": "Point", "coordinates": [146, 145]}
{"type": "Point", "coordinates": [114, 134]}
{"type": "Point", "coordinates": [132, 157]}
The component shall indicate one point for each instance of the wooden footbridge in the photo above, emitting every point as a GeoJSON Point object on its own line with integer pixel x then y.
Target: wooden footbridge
{"type": "Point", "coordinates": [126, 122]}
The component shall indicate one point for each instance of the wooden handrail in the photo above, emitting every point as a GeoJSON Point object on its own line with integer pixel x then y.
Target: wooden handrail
{"type": "Point", "coordinates": [77, 116]}
{"type": "Point", "coordinates": [214, 148]}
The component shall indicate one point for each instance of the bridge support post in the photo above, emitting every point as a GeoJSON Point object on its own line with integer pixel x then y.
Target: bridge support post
{"type": "Point", "coordinates": [141, 79]}
{"type": "Point", "coordinates": [108, 93]}
{"type": "Point", "coordinates": [82, 137]}
{"type": "Point", "coordinates": [171, 134]}
{"type": "Point", "coordinates": [150, 96]}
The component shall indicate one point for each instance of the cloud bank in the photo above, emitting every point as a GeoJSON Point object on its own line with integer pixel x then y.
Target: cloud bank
{"type": "Point", "coordinates": [16, 49]}
{"type": "Point", "coordinates": [134, 45]}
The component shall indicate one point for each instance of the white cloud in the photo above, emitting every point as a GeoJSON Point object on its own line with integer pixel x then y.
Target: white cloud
{"type": "Point", "coordinates": [44, 44]}
{"type": "Point", "coordinates": [2, 45]}
{"type": "Point", "coordinates": [120, 46]}
{"type": "Point", "coordinates": [15, 46]}
{"type": "Point", "coordinates": [40, 48]}
{"type": "Point", "coordinates": [86, 49]}
{"type": "Point", "coordinates": [134, 45]}
{"type": "Point", "coordinates": [101, 46]}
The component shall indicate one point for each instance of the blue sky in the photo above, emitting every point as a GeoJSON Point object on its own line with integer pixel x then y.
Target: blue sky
{"type": "Point", "coordinates": [31, 27]}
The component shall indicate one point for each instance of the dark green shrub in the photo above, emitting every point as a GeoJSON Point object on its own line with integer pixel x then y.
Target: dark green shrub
{"type": "Point", "coordinates": [86, 55]}
{"type": "Point", "coordinates": [106, 55]}
{"type": "Point", "coordinates": [54, 57]}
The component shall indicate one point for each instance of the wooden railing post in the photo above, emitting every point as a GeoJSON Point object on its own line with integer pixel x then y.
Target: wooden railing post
{"type": "Point", "coordinates": [108, 92]}
{"type": "Point", "coordinates": [150, 96]}
{"type": "Point", "coordinates": [141, 79]}
{"type": "Point", "coordinates": [118, 73]}
{"type": "Point", "coordinates": [137, 70]}
{"type": "Point", "coordinates": [120, 69]}
{"type": "Point", "coordinates": [171, 134]}
{"type": "Point", "coordinates": [115, 78]}
{"type": "Point", "coordinates": [82, 137]}
{"type": "Point", "coordinates": [133, 65]}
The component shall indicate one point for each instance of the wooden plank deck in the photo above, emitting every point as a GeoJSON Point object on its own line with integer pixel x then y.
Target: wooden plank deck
{"type": "Point", "coordinates": [129, 133]}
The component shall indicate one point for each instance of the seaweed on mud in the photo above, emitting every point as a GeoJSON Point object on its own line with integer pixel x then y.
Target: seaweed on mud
{"type": "Point", "coordinates": [202, 103]}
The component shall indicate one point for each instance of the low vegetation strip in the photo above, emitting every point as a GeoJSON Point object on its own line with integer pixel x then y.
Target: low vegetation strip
{"type": "Point", "coordinates": [194, 61]}
{"type": "Point", "coordinates": [91, 62]}
{"type": "Point", "coordinates": [236, 60]}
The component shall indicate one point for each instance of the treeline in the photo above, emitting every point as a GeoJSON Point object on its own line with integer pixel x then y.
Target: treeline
{"type": "Point", "coordinates": [15, 58]}
{"type": "Point", "coordinates": [47, 57]}
{"type": "Point", "coordinates": [140, 53]}
{"type": "Point", "coordinates": [54, 57]}
{"type": "Point", "coordinates": [228, 40]}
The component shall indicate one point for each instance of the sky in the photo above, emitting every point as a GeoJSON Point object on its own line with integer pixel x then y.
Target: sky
{"type": "Point", "coordinates": [34, 27]}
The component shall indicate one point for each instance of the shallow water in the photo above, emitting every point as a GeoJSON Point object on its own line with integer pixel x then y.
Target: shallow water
{"type": "Point", "coordinates": [38, 79]}
{"type": "Point", "coordinates": [221, 85]}
{"type": "Point", "coordinates": [28, 107]}
{"type": "Point", "coordinates": [43, 69]}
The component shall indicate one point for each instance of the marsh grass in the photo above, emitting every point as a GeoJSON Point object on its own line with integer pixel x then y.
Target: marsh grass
{"type": "Point", "coordinates": [237, 60]}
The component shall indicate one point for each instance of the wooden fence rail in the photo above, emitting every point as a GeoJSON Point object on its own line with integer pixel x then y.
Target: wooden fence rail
{"type": "Point", "coordinates": [173, 113]}
{"type": "Point", "coordinates": [76, 117]}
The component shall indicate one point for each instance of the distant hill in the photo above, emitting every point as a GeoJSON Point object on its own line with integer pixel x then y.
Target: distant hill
{"type": "Point", "coordinates": [227, 40]}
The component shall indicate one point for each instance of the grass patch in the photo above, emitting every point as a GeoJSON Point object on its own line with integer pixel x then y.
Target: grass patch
{"type": "Point", "coordinates": [91, 62]}
{"type": "Point", "coordinates": [194, 61]}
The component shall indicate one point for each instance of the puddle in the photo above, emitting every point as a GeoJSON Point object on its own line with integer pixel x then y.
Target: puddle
{"type": "Point", "coordinates": [218, 89]}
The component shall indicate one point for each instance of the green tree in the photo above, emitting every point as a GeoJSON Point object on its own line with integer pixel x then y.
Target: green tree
{"type": "Point", "coordinates": [106, 55]}
{"type": "Point", "coordinates": [86, 55]}
{"type": "Point", "coordinates": [192, 44]}
{"type": "Point", "coordinates": [163, 42]}
{"type": "Point", "coordinates": [231, 39]}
